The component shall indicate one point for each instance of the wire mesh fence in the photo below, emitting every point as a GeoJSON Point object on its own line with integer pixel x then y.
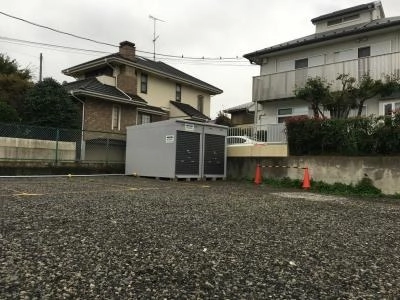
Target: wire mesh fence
{"type": "Point", "coordinates": [33, 143]}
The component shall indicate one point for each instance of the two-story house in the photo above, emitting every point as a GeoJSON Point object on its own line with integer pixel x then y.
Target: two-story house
{"type": "Point", "coordinates": [355, 41]}
{"type": "Point", "coordinates": [124, 89]}
{"type": "Point", "coordinates": [241, 115]}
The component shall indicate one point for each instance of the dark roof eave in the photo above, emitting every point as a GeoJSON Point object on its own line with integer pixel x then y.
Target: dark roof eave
{"type": "Point", "coordinates": [107, 97]}
{"type": "Point", "coordinates": [279, 99]}
{"type": "Point", "coordinates": [200, 119]}
{"type": "Point", "coordinates": [190, 110]}
{"type": "Point", "coordinates": [154, 112]}
{"type": "Point", "coordinates": [253, 55]}
{"type": "Point", "coordinates": [235, 110]}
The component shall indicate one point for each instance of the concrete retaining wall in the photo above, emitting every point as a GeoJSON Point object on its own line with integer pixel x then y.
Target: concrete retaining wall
{"type": "Point", "coordinates": [32, 149]}
{"type": "Point", "coordinates": [384, 171]}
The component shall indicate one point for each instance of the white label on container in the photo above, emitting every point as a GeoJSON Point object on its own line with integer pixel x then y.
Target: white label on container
{"type": "Point", "coordinates": [189, 127]}
{"type": "Point", "coordinates": [169, 139]}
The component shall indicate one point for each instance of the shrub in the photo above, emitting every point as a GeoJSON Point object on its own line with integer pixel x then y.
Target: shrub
{"type": "Point", "coordinates": [366, 187]}
{"type": "Point", "coordinates": [363, 188]}
{"type": "Point", "coordinates": [8, 114]}
{"type": "Point", "coordinates": [354, 136]}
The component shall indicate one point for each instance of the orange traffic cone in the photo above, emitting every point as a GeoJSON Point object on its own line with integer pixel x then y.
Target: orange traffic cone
{"type": "Point", "coordinates": [306, 179]}
{"type": "Point", "coordinates": [258, 176]}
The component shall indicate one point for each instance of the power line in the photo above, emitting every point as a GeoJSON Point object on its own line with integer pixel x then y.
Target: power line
{"type": "Point", "coordinates": [56, 30]}
{"type": "Point", "coordinates": [186, 60]}
{"type": "Point", "coordinates": [18, 41]}
{"type": "Point", "coordinates": [203, 58]}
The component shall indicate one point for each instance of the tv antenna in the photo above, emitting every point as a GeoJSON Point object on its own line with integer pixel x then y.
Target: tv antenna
{"type": "Point", "coordinates": [154, 34]}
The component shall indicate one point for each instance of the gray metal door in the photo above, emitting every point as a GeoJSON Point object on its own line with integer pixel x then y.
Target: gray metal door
{"type": "Point", "coordinates": [214, 154]}
{"type": "Point", "coordinates": [187, 153]}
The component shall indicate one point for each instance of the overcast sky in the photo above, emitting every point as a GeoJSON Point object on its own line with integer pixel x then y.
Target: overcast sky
{"type": "Point", "coordinates": [192, 28]}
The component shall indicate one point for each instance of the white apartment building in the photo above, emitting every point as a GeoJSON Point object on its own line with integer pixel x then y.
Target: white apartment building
{"type": "Point", "coordinates": [354, 41]}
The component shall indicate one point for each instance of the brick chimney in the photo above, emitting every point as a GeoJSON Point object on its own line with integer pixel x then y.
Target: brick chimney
{"type": "Point", "coordinates": [126, 79]}
{"type": "Point", "coordinates": [127, 50]}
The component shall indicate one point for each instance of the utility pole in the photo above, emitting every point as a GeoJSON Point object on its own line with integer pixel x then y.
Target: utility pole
{"type": "Point", "coordinates": [154, 34]}
{"type": "Point", "coordinates": [41, 67]}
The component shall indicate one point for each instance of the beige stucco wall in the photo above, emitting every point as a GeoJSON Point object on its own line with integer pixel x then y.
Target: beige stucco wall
{"type": "Point", "coordinates": [161, 90]}
{"type": "Point", "coordinates": [175, 113]}
{"type": "Point", "coordinates": [383, 171]}
{"type": "Point", "coordinates": [108, 80]}
{"type": "Point", "coordinates": [267, 150]}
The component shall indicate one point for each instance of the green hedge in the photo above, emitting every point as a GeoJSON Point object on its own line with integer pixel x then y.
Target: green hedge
{"type": "Point", "coordinates": [354, 136]}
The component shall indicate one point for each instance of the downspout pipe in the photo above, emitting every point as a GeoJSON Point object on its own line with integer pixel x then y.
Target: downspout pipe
{"type": "Point", "coordinates": [83, 108]}
{"type": "Point", "coordinates": [116, 79]}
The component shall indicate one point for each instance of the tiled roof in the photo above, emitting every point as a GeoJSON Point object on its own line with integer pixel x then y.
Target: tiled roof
{"type": "Point", "coordinates": [349, 10]}
{"type": "Point", "coordinates": [190, 111]}
{"type": "Point", "coordinates": [163, 67]}
{"type": "Point", "coordinates": [157, 67]}
{"type": "Point", "coordinates": [91, 86]}
{"type": "Point", "coordinates": [327, 35]}
{"type": "Point", "coordinates": [240, 107]}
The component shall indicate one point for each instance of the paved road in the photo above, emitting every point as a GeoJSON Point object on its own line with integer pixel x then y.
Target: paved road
{"type": "Point", "coordinates": [135, 238]}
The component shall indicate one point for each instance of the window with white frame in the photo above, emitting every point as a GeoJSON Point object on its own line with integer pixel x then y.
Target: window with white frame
{"type": "Point", "coordinates": [116, 117]}
{"type": "Point", "coordinates": [178, 93]}
{"type": "Point", "coordinates": [301, 63]}
{"type": "Point", "coordinates": [284, 113]}
{"type": "Point", "coordinates": [364, 52]}
{"type": "Point", "coordinates": [145, 118]}
{"type": "Point", "coordinates": [390, 108]}
{"type": "Point", "coordinates": [363, 61]}
{"type": "Point", "coordinates": [200, 103]}
{"type": "Point", "coordinates": [143, 83]}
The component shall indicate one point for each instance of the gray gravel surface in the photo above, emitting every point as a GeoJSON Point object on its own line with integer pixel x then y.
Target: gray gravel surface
{"type": "Point", "coordinates": [136, 238]}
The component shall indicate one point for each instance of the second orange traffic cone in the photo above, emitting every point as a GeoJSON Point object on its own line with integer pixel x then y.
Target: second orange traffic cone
{"type": "Point", "coordinates": [306, 180]}
{"type": "Point", "coordinates": [258, 176]}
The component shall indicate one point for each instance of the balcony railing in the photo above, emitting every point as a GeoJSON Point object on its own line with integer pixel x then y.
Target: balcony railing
{"type": "Point", "coordinates": [269, 133]}
{"type": "Point", "coordinates": [281, 85]}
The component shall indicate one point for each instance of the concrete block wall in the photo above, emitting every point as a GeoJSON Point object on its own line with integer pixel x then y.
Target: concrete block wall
{"type": "Point", "coordinates": [383, 171]}
{"type": "Point", "coordinates": [31, 149]}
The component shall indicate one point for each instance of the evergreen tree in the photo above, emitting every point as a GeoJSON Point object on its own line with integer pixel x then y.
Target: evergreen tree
{"type": "Point", "coordinates": [14, 83]}
{"type": "Point", "coordinates": [8, 114]}
{"type": "Point", "coordinates": [223, 119]}
{"type": "Point", "coordinates": [49, 104]}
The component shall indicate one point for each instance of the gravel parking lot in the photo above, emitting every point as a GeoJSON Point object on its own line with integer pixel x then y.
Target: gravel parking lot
{"type": "Point", "coordinates": [135, 238]}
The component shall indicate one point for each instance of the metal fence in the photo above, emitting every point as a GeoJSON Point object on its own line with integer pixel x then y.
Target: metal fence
{"type": "Point", "coordinates": [32, 143]}
{"type": "Point", "coordinates": [270, 133]}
